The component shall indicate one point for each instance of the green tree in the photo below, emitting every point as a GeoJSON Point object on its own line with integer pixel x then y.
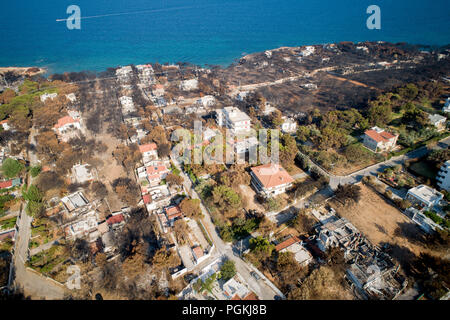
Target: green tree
{"type": "Point", "coordinates": [228, 270]}
{"type": "Point", "coordinates": [11, 168]}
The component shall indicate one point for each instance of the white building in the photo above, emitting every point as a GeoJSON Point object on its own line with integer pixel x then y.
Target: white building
{"type": "Point", "coordinates": [443, 177]}
{"type": "Point", "coordinates": [270, 179]}
{"type": "Point", "coordinates": [82, 173]}
{"type": "Point", "coordinates": [233, 119]}
{"type": "Point", "coordinates": [379, 140]}
{"type": "Point", "coordinates": [46, 96]}
{"type": "Point", "coordinates": [207, 101]}
{"type": "Point", "coordinates": [307, 51]}
{"type": "Point", "coordinates": [127, 104]}
{"type": "Point", "coordinates": [72, 97]}
{"type": "Point", "coordinates": [69, 126]}
{"type": "Point", "coordinates": [188, 85]}
{"type": "Point", "coordinates": [5, 125]}
{"type": "Point", "coordinates": [84, 226]}
{"type": "Point", "coordinates": [295, 246]}
{"type": "Point", "coordinates": [124, 74]}
{"type": "Point", "coordinates": [447, 105]}
{"type": "Point", "coordinates": [424, 196]}
{"type": "Point", "coordinates": [245, 145]}
{"type": "Point", "coordinates": [289, 125]}
{"type": "Point", "coordinates": [149, 151]}
{"type": "Point", "coordinates": [336, 233]}
{"type": "Point", "coordinates": [438, 121]}
{"type": "Point", "coordinates": [146, 73]}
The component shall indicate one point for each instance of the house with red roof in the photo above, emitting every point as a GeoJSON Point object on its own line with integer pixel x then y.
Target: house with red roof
{"type": "Point", "coordinates": [379, 140]}
{"type": "Point", "coordinates": [5, 125]}
{"type": "Point", "coordinates": [270, 179]}
{"type": "Point", "coordinates": [173, 213]}
{"type": "Point", "coordinates": [294, 245]}
{"type": "Point", "coordinates": [67, 123]}
{"type": "Point", "coordinates": [156, 172]}
{"type": "Point", "coordinates": [116, 220]}
{"type": "Point", "coordinates": [148, 151]}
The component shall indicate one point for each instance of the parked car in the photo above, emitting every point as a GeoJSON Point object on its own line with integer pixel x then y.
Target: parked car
{"type": "Point", "coordinates": [255, 275]}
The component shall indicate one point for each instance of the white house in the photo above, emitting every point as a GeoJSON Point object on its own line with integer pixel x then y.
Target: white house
{"type": "Point", "coordinates": [72, 97]}
{"type": "Point", "coordinates": [5, 125]}
{"type": "Point", "coordinates": [307, 51]}
{"type": "Point", "coordinates": [124, 74]}
{"type": "Point", "coordinates": [295, 245]}
{"type": "Point", "coordinates": [443, 177]}
{"type": "Point", "coordinates": [245, 145]}
{"type": "Point", "coordinates": [233, 119]}
{"type": "Point", "coordinates": [46, 96]}
{"type": "Point", "coordinates": [424, 196]}
{"type": "Point", "coordinates": [188, 85]}
{"type": "Point", "coordinates": [379, 140]}
{"type": "Point", "coordinates": [207, 101]}
{"type": "Point", "coordinates": [270, 179]}
{"type": "Point", "coordinates": [289, 125]}
{"type": "Point", "coordinates": [149, 150]}
{"type": "Point", "coordinates": [127, 104]}
{"type": "Point", "coordinates": [67, 124]}
{"type": "Point", "coordinates": [447, 105]}
{"type": "Point", "coordinates": [438, 121]}
{"type": "Point", "coordinates": [156, 172]}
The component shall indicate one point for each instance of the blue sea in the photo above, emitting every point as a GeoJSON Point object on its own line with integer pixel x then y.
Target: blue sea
{"type": "Point", "coordinates": [200, 31]}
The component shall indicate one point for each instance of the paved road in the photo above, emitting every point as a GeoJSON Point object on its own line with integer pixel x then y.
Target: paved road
{"type": "Point", "coordinates": [34, 285]}
{"type": "Point", "coordinates": [263, 288]}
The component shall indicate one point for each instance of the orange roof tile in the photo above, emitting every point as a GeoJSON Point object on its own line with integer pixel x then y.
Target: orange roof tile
{"type": "Point", "coordinates": [198, 252]}
{"type": "Point", "coordinates": [379, 137]}
{"type": "Point", "coordinates": [173, 212]}
{"type": "Point", "coordinates": [65, 120]}
{"type": "Point", "coordinates": [156, 170]}
{"type": "Point", "coordinates": [272, 175]}
{"type": "Point", "coordinates": [147, 147]}
{"type": "Point", "coordinates": [251, 296]}
{"type": "Point", "coordinates": [286, 243]}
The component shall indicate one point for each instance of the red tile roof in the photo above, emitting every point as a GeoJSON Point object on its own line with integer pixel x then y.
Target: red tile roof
{"type": "Point", "coordinates": [286, 243]}
{"type": "Point", "coordinates": [272, 175]}
{"type": "Point", "coordinates": [115, 219]}
{"type": "Point", "coordinates": [5, 184]}
{"type": "Point", "coordinates": [173, 212]}
{"type": "Point", "coordinates": [152, 170]}
{"type": "Point", "coordinates": [198, 252]}
{"type": "Point", "coordinates": [65, 120]}
{"type": "Point", "coordinates": [147, 198]}
{"type": "Point", "coordinates": [379, 137]}
{"type": "Point", "coordinates": [147, 147]}
{"type": "Point", "coordinates": [251, 296]}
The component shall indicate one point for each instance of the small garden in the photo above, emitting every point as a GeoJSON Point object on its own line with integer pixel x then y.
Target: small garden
{"type": "Point", "coordinates": [8, 224]}
{"type": "Point", "coordinates": [396, 177]}
{"type": "Point", "coordinates": [48, 261]}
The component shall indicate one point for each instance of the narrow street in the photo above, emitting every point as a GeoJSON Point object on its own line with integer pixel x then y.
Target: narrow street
{"type": "Point", "coordinates": [34, 285]}
{"type": "Point", "coordinates": [263, 287]}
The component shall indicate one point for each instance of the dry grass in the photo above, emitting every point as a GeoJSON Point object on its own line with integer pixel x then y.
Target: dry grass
{"type": "Point", "coordinates": [382, 223]}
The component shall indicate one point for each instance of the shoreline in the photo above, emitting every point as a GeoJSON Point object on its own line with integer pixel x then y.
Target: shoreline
{"type": "Point", "coordinates": [25, 71]}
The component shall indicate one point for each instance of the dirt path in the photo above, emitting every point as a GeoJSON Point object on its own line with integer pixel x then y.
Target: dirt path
{"type": "Point", "coordinates": [356, 83]}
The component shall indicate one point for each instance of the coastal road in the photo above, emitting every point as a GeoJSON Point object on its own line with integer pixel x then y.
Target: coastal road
{"type": "Point", "coordinates": [263, 288]}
